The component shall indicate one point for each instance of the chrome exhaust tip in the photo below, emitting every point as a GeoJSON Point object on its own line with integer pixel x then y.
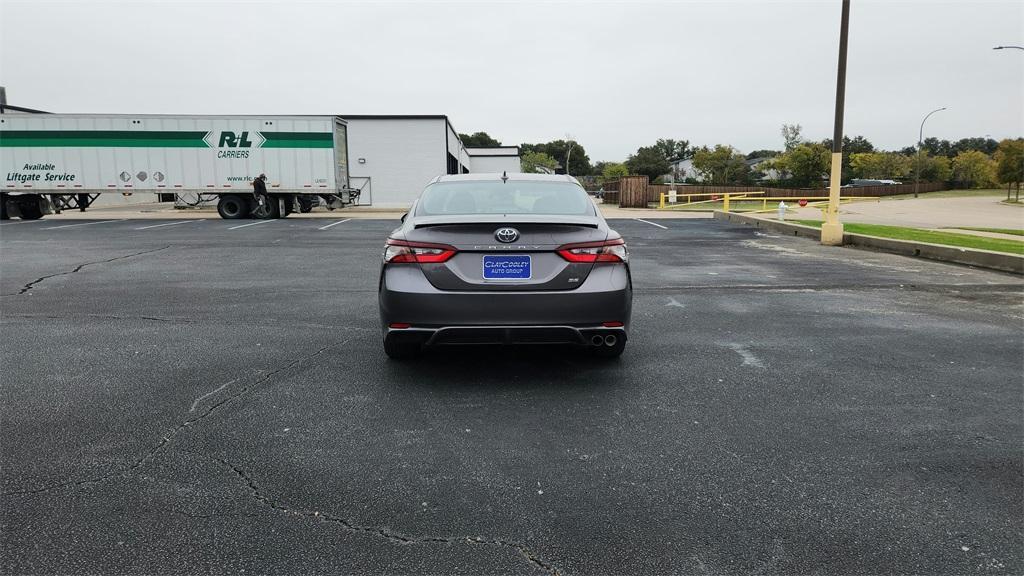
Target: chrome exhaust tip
{"type": "Point", "coordinates": [596, 340]}
{"type": "Point", "coordinates": [610, 340]}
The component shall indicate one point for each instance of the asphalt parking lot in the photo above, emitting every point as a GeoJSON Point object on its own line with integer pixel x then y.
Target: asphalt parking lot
{"type": "Point", "coordinates": [211, 396]}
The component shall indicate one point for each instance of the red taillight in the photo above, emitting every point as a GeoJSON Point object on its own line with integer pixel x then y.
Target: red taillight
{"type": "Point", "coordinates": [612, 324]}
{"type": "Point", "coordinates": [399, 325]}
{"type": "Point", "coordinates": [607, 251]}
{"type": "Point", "coordinates": [401, 251]}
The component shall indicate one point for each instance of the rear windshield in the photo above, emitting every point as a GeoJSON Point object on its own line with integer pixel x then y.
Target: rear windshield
{"type": "Point", "coordinates": [512, 197]}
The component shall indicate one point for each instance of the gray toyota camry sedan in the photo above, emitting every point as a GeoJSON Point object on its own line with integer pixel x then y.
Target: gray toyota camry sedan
{"type": "Point", "coordinates": [504, 259]}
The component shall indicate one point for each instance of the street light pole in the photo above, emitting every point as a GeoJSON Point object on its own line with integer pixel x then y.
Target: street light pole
{"type": "Point", "coordinates": [920, 137]}
{"type": "Point", "coordinates": [832, 228]}
{"type": "Point", "coordinates": [568, 153]}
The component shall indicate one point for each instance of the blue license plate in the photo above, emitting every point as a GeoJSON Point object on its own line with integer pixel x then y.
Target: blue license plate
{"type": "Point", "coordinates": [507, 267]}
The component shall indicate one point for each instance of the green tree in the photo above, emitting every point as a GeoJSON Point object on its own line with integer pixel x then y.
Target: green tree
{"type": "Point", "coordinates": [851, 146]}
{"type": "Point", "coordinates": [478, 140]}
{"type": "Point", "coordinates": [807, 164]}
{"type": "Point", "coordinates": [986, 146]}
{"type": "Point", "coordinates": [579, 162]}
{"type": "Point", "coordinates": [974, 169]}
{"type": "Point", "coordinates": [792, 135]}
{"type": "Point", "coordinates": [937, 147]}
{"type": "Point", "coordinates": [1010, 164]}
{"type": "Point", "coordinates": [880, 165]}
{"type": "Point", "coordinates": [721, 165]}
{"type": "Point", "coordinates": [763, 154]}
{"type": "Point", "coordinates": [531, 161]}
{"type": "Point", "coordinates": [673, 149]}
{"type": "Point", "coordinates": [933, 168]}
{"type": "Point", "coordinates": [648, 161]}
{"type": "Point", "coordinates": [614, 171]}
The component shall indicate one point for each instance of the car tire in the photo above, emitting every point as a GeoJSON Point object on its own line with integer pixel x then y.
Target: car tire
{"type": "Point", "coordinates": [608, 351]}
{"type": "Point", "coordinates": [401, 350]}
{"type": "Point", "coordinates": [233, 207]}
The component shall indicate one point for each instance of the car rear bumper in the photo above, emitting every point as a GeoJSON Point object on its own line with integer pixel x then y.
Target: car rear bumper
{"type": "Point", "coordinates": [447, 317]}
{"type": "Point", "coordinates": [593, 335]}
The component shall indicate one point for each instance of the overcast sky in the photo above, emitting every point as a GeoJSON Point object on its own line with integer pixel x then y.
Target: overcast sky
{"type": "Point", "coordinates": [614, 75]}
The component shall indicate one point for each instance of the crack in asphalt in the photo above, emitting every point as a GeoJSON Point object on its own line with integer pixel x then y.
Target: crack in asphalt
{"type": "Point", "coordinates": [172, 433]}
{"type": "Point", "coordinates": [383, 532]}
{"type": "Point", "coordinates": [78, 268]}
{"type": "Point", "coordinates": [99, 317]}
{"type": "Point", "coordinates": [172, 320]}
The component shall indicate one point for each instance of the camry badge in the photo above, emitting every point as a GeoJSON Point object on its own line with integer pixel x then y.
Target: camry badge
{"type": "Point", "coordinates": [506, 235]}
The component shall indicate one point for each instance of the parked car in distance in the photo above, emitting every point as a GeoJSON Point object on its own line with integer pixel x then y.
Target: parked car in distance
{"type": "Point", "coordinates": [861, 182]}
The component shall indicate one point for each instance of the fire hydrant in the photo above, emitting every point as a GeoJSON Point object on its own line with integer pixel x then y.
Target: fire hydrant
{"type": "Point", "coordinates": [782, 210]}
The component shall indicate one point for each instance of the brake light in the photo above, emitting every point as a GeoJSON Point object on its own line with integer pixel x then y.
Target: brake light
{"type": "Point", "coordinates": [402, 252]}
{"type": "Point", "coordinates": [607, 251]}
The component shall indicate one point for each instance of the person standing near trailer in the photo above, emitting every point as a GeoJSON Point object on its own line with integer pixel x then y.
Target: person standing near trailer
{"type": "Point", "coordinates": [259, 190]}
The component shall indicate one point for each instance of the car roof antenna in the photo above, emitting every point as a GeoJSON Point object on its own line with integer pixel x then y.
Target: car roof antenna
{"type": "Point", "coordinates": [504, 176]}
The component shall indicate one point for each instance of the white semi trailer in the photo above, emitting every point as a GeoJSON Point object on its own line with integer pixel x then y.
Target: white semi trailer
{"type": "Point", "coordinates": [52, 162]}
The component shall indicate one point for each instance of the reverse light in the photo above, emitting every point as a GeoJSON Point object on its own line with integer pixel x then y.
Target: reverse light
{"type": "Point", "coordinates": [607, 251]}
{"type": "Point", "coordinates": [403, 252]}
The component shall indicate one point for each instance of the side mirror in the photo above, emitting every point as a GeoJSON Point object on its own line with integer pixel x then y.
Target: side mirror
{"type": "Point", "coordinates": [404, 215]}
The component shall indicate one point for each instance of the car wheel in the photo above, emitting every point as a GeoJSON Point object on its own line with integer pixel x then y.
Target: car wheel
{"type": "Point", "coordinates": [401, 350]}
{"type": "Point", "coordinates": [608, 351]}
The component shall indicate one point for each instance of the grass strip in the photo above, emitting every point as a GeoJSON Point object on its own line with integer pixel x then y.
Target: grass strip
{"type": "Point", "coordinates": [930, 236]}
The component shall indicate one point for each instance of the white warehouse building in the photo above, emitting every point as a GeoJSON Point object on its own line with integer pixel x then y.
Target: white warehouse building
{"type": "Point", "coordinates": [391, 158]}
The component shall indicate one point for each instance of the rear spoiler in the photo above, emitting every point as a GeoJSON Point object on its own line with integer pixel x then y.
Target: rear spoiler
{"type": "Point", "coordinates": [507, 220]}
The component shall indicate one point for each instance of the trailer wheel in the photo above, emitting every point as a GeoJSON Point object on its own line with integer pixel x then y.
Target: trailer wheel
{"type": "Point", "coordinates": [30, 210]}
{"type": "Point", "coordinates": [270, 210]}
{"type": "Point", "coordinates": [3, 207]}
{"type": "Point", "coordinates": [305, 204]}
{"type": "Point", "coordinates": [232, 207]}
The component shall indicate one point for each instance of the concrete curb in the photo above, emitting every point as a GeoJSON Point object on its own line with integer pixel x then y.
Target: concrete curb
{"type": "Point", "coordinates": [968, 256]}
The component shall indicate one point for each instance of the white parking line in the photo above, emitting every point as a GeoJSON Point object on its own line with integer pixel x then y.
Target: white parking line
{"type": "Point", "coordinates": [167, 224]}
{"type": "Point", "coordinates": [334, 224]}
{"type": "Point", "coordinates": [651, 223]}
{"type": "Point", "coordinates": [250, 224]}
{"type": "Point", "coordinates": [83, 224]}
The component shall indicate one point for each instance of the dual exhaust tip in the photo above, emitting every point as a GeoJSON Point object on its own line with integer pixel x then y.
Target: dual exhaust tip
{"type": "Point", "coordinates": [607, 340]}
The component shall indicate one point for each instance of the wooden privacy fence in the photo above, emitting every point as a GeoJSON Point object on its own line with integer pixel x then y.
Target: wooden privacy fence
{"type": "Point", "coordinates": [635, 192]}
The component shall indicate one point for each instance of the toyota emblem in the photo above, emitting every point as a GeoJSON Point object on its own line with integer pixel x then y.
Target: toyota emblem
{"type": "Point", "coordinates": [506, 235]}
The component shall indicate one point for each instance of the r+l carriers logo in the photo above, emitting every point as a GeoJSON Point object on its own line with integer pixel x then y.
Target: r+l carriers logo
{"type": "Point", "coordinates": [234, 144]}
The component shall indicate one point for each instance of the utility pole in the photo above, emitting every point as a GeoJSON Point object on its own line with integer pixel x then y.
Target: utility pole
{"type": "Point", "coordinates": [832, 228]}
{"type": "Point", "coordinates": [568, 153]}
{"type": "Point", "coordinates": [920, 138]}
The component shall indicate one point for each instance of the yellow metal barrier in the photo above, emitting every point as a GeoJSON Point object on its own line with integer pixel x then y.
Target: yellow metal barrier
{"type": "Point", "coordinates": [728, 197]}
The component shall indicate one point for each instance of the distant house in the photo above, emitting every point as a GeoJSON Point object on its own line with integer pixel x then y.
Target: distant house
{"type": "Point", "coordinates": [683, 170]}
{"type": "Point", "coordinates": [767, 173]}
